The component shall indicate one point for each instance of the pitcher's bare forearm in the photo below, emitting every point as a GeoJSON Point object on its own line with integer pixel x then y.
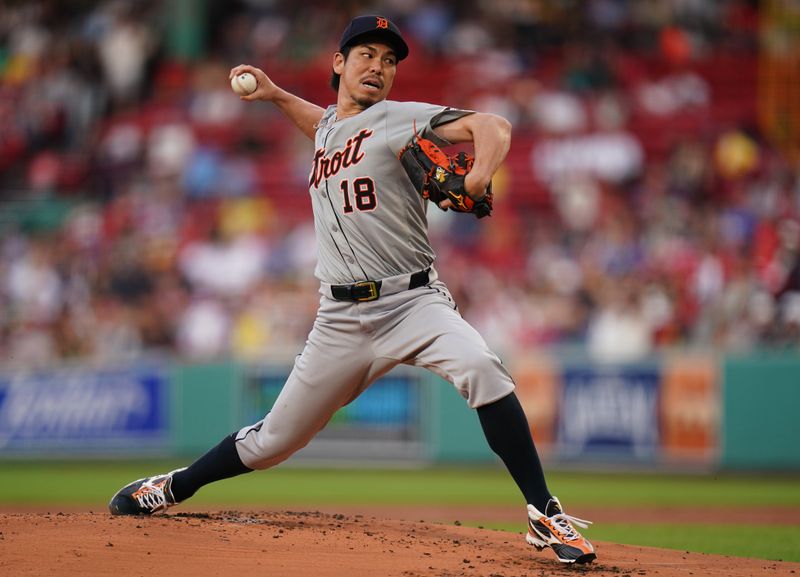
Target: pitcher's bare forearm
{"type": "Point", "coordinates": [303, 114]}
{"type": "Point", "coordinates": [491, 137]}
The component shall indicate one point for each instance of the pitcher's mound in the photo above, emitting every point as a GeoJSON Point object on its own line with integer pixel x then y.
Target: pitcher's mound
{"type": "Point", "coordinates": [314, 544]}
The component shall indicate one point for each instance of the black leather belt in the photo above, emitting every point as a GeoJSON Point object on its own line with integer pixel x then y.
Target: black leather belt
{"type": "Point", "coordinates": [370, 290]}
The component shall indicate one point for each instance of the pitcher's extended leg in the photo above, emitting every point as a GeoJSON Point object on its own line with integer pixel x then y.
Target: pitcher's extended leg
{"type": "Point", "coordinates": [455, 351]}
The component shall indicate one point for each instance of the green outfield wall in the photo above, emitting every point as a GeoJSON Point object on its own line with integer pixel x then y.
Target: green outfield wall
{"type": "Point", "coordinates": [761, 412]}
{"type": "Point", "coordinates": [206, 405]}
{"type": "Point", "coordinates": [676, 411]}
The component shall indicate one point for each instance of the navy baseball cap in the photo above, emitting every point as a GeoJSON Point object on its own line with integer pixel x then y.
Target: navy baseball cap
{"type": "Point", "coordinates": [374, 27]}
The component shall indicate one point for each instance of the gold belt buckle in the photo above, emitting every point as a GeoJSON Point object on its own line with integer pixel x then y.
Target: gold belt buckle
{"type": "Point", "coordinates": [373, 290]}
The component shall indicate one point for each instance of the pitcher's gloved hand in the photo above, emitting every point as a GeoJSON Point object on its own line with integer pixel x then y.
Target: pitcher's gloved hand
{"type": "Point", "coordinates": [440, 178]}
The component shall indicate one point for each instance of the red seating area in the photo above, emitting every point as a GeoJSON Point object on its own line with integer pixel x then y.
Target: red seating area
{"type": "Point", "coordinates": [108, 195]}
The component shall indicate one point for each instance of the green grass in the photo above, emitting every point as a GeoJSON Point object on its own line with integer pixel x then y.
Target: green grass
{"type": "Point", "coordinates": [763, 541]}
{"type": "Point", "coordinates": [91, 484]}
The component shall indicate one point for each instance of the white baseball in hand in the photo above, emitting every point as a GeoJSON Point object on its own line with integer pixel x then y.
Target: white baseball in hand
{"type": "Point", "coordinates": [244, 84]}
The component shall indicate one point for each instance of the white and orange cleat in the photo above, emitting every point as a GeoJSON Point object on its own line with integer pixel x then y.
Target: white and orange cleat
{"type": "Point", "coordinates": [144, 496]}
{"type": "Point", "coordinates": [555, 529]}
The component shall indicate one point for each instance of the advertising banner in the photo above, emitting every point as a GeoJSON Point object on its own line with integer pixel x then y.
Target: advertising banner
{"type": "Point", "coordinates": [690, 409]}
{"type": "Point", "coordinates": [84, 410]}
{"type": "Point", "coordinates": [609, 411]}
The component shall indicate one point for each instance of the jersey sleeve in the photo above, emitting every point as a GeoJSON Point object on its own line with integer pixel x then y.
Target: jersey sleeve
{"type": "Point", "coordinates": [328, 117]}
{"type": "Point", "coordinates": [402, 117]}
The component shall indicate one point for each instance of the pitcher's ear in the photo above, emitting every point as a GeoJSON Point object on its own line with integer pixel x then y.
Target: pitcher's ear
{"type": "Point", "coordinates": [338, 62]}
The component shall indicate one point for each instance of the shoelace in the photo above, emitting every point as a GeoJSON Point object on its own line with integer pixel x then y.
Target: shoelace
{"type": "Point", "coordinates": [151, 496]}
{"type": "Point", "coordinates": [563, 523]}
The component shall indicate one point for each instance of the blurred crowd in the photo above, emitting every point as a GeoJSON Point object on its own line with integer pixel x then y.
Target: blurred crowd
{"type": "Point", "coordinates": [145, 210]}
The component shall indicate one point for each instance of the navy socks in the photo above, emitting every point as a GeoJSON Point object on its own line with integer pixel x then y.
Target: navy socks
{"type": "Point", "coordinates": [506, 428]}
{"type": "Point", "coordinates": [221, 462]}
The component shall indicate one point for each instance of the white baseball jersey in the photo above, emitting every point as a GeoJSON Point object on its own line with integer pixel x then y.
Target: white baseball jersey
{"type": "Point", "coordinates": [371, 226]}
{"type": "Point", "coordinates": [370, 222]}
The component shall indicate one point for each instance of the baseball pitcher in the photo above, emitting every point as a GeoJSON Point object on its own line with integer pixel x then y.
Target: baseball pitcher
{"type": "Point", "coordinates": [377, 165]}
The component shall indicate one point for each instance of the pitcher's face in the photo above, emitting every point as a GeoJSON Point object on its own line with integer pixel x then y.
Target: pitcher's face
{"type": "Point", "coordinates": [367, 73]}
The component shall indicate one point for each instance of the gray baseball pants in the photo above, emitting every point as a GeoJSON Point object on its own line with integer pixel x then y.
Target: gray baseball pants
{"type": "Point", "coordinates": [354, 343]}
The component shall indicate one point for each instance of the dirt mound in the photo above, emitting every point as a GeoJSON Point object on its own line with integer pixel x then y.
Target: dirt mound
{"type": "Point", "coordinates": [314, 544]}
